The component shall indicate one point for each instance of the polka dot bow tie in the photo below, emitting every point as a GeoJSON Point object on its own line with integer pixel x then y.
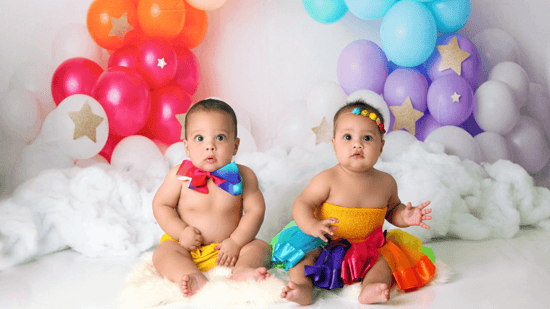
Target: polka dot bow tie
{"type": "Point", "coordinates": [227, 177]}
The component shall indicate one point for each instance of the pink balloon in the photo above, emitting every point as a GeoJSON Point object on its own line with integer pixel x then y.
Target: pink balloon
{"type": "Point", "coordinates": [156, 61]}
{"type": "Point", "coordinates": [168, 102]}
{"type": "Point", "coordinates": [123, 57]}
{"type": "Point", "coordinates": [125, 99]}
{"type": "Point", "coordinates": [187, 73]}
{"type": "Point", "coordinates": [74, 76]}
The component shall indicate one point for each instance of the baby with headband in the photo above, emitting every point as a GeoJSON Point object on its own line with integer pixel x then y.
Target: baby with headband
{"type": "Point", "coordinates": [337, 236]}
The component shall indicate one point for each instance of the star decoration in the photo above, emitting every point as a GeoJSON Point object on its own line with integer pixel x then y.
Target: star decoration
{"type": "Point", "coordinates": [181, 119]}
{"type": "Point", "coordinates": [456, 97]}
{"type": "Point", "coordinates": [452, 56]}
{"type": "Point", "coordinates": [120, 26]}
{"type": "Point", "coordinates": [406, 116]}
{"type": "Point", "coordinates": [86, 122]}
{"type": "Point", "coordinates": [323, 132]}
{"type": "Point", "coordinates": [161, 63]}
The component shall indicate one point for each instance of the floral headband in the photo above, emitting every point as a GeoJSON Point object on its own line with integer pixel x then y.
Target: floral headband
{"type": "Point", "coordinates": [372, 116]}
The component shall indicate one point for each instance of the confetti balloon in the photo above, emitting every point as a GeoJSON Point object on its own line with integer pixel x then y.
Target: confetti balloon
{"type": "Point", "coordinates": [161, 18]}
{"type": "Point", "coordinates": [450, 100]}
{"type": "Point", "coordinates": [326, 11]}
{"type": "Point", "coordinates": [113, 23]}
{"type": "Point", "coordinates": [156, 62]}
{"type": "Point", "coordinates": [194, 28]}
{"type": "Point", "coordinates": [74, 76]}
{"type": "Point", "coordinates": [188, 71]}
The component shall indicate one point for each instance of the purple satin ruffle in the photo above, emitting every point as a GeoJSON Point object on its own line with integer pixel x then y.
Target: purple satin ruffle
{"type": "Point", "coordinates": [326, 271]}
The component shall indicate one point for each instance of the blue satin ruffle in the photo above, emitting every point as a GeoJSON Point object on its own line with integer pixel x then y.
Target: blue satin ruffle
{"type": "Point", "coordinates": [292, 245]}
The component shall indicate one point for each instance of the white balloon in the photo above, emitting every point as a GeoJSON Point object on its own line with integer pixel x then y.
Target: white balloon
{"type": "Point", "coordinates": [175, 154]}
{"type": "Point", "coordinates": [20, 114]}
{"type": "Point", "coordinates": [324, 100]}
{"type": "Point", "coordinates": [493, 146]}
{"type": "Point", "coordinates": [135, 153]}
{"type": "Point", "coordinates": [74, 40]}
{"type": "Point", "coordinates": [538, 106]}
{"type": "Point", "coordinates": [295, 127]}
{"type": "Point", "coordinates": [528, 144]}
{"type": "Point", "coordinates": [247, 143]}
{"type": "Point", "coordinates": [514, 76]}
{"type": "Point", "coordinates": [374, 100]}
{"type": "Point", "coordinates": [456, 141]}
{"type": "Point", "coordinates": [495, 46]}
{"type": "Point", "coordinates": [396, 143]}
{"type": "Point", "coordinates": [97, 159]}
{"type": "Point", "coordinates": [495, 109]}
{"type": "Point", "coordinates": [206, 5]}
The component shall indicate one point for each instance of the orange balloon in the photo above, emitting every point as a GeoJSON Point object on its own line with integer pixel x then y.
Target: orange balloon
{"type": "Point", "coordinates": [194, 28]}
{"type": "Point", "coordinates": [112, 23]}
{"type": "Point", "coordinates": [161, 18]}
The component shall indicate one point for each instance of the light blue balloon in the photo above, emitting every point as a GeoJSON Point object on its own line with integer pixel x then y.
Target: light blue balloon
{"type": "Point", "coordinates": [326, 11]}
{"type": "Point", "coordinates": [450, 15]}
{"type": "Point", "coordinates": [369, 9]}
{"type": "Point", "coordinates": [408, 33]}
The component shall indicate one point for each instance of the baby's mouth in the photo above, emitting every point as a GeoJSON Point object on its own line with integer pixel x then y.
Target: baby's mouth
{"type": "Point", "coordinates": [357, 155]}
{"type": "Point", "coordinates": [210, 159]}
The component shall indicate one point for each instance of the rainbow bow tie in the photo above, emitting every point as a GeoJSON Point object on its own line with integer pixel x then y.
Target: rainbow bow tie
{"type": "Point", "coordinates": [227, 177]}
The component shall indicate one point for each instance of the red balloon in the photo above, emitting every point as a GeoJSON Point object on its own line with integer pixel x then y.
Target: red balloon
{"type": "Point", "coordinates": [168, 102]}
{"type": "Point", "coordinates": [156, 61]}
{"type": "Point", "coordinates": [110, 145]}
{"type": "Point", "coordinates": [187, 73]}
{"type": "Point", "coordinates": [74, 76]}
{"type": "Point", "coordinates": [125, 99]}
{"type": "Point", "coordinates": [123, 57]}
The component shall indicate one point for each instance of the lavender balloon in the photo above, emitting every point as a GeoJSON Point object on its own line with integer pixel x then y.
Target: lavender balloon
{"type": "Point", "coordinates": [403, 83]}
{"type": "Point", "coordinates": [425, 126]}
{"type": "Point", "coordinates": [362, 65]}
{"type": "Point", "coordinates": [450, 100]}
{"type": "Point", "coordinates": [471, 126]}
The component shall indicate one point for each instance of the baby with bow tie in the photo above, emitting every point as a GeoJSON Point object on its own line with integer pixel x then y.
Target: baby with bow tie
{"type": "Point", "coordinates": [209, 207]}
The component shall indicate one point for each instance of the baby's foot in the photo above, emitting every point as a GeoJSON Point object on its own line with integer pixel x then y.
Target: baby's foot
{"type": "Point", "coordinates": [298, 293]}
{"type": "Point", "coordinates": [246, 273]}
{"type": "Point", "coordinates": [374, 293]}
{"type": "Point", "coordinates": [191, 284]}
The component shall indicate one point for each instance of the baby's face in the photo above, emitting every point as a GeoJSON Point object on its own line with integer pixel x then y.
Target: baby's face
{"type": "Point", "coordinates": [210, 140]}
{"type": "Point", "coordinates": [357, 142]}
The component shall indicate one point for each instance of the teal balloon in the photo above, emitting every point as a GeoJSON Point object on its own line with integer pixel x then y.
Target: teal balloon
{"type": "Point", "coordinates": [450, 15]}
{"type": "Point", "coordinates": [408, 33]}
{"type": "Point", "coordinates": [369, 9]}
{"type": "Point", "coordinates": [326, 11]}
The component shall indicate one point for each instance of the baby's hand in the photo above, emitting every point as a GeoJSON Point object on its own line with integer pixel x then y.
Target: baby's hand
{"type": "Point", "coordinates": [229, 252]}
{"type": "Point", "coordinates": [322, 228]}
{"type": "Point", "coordinates": [415, 215]}
{"type": "Point", "coordinates": [191, 238]}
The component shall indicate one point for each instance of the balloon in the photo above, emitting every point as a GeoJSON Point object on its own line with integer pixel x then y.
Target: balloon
{"type": "Point", "coordinates": [470, 68]}
{"type": "Point", "coordinates": [175, 154]}
{"type": "Point", "coordinates": [156, 62]}
{"type": "Point", "coordinates": [113, 23]}
{"type": "Point", "coordinates": [125, 99]}
{"type": "Point", "coordinates": [456, 141]}
{"type": "Point", "coordinates": [396, 143]}
{"type": "Point", "coordinates": [324, 100]}
{"type": "Point", "coordinates": [80, 127]}
{"type": "Point", "coordinates": [493, 146]}
{"type": "Point", "coordinates": [135, 154]}
{"type": "Point", "coordinates": [73, 40]}
{"type": "Point", "coordinates": [326, 11]}
{"type": "Point", "coordinates": [369, 9]}
{"type": "Point", "coordinates": [528, 144]}
{"type": "Point", "coordinates": [97, 159]}
{"type": "Point", "coordinates": [187, 71]}
{"type": "Point", "coordinates": [425, 126]}
{"type": "Point", "coordinates": [20, 115]}
{"type": "Point", "coordinates": [247, 143]}
{"type": "Point", "coordinates": [403, 83]}
{"type": "Point", "coordinates": [362, 65]}
{"type": "Point", "coordinates": [194, 28]}
{"type": "Point", "coordinates": [450, 15]}
{"type": "Point", "coordinates": [376, 101]}
{"type": "Point", "coordinates": [538, 105]}
{"type": "Point", "coordinates": [515, 76]}
{"type": "Point", "coordinates": [496, 110]}
{"type": "Point", "coordinates": [168, 102]}
{"type": "Point", "coordinates": [206, 5]}
{"type": "Point", "coordinates": [123, 57]}
{"type": "Point", "coordinates": [408, 33]}
{"type": "Point", "coordinates": [292, 127]}
{"type": "Point", "coordinates": [450, 100]}
{"type": "Point", "coordinates": [161, 18]}
{"type": "Point", "coordinates": [470, 124]}
{"type": "Point", "coordinates": [110, 144]}
{"type": "Point", "coordinates": [495, 46]}
{"type": "Point", "coordinates": [74, 76]}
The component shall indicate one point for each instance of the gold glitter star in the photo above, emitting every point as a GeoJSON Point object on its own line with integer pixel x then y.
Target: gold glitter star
{"type": "Point", "coordinates": [456, 97]}
{"type": "Point", "coordinates": [85, 122]}
{"type": "Point", "coordinates": [161, 63]}
{"type": "Point", "coordinates": [406, 116]}
{"type": "Point", "coordinates": [181, 119]}
{"type": "Point", "coordinates": [452, 56]}
{"type": "Point", "coordinates": [120, 26]}
{"type": "Point", "coordinates": [323, 132]}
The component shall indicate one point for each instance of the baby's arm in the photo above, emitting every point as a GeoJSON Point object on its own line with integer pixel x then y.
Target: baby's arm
{"type": "Point", "coordinates": [404, 216]}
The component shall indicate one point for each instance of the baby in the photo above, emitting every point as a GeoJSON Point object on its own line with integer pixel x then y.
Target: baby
{"type": "Point", "coordinates": [201, 202]}
{"type": "Point", "coordinates": [348, 203]}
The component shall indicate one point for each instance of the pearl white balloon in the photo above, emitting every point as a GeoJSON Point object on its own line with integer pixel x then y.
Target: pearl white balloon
{"type": "Point", "coordinates": [247, 143]}
{"type": "Point", "coordinates": [495, 46]}
{"type": "Point", "coordinates": [456, 141]}
{"type": "Point", "coordinates": [375, 100]}
{"type": "Point", "coordinates": [20, 115]}
{"type": "Point", "coordinates": [538, 106]}
{"type": "Point", "coordinates": [528, 144]}
{"type": "Point", "coordinates": [135, 153]}
{"type": "Point", "coordinates": [324, 100]}
{"type": "Point", "coordinates": [97, 159]}
{"type": "Point", "coordinates": [74, 40]}
{"type": "Point", "coordinates": [493, 146]}
{"type": "Point", "coordinates": [514, 76]}
{"type": "Point", "coordinates": [295, 127]}
{"type": "Point", "coordinates": [175, 154]}
{"type": "Point", "coordinates": [396, 143]}
{"type": "Point", "coordinates": [496, 110]}
{"type": "Point", "coordinates": [206, 5]}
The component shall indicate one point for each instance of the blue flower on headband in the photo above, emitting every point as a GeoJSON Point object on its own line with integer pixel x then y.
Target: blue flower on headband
{"type": "Point", "coordinates": [356, 111]}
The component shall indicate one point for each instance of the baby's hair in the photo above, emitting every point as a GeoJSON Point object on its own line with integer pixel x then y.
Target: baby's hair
{"type": "Point", "coordinates": [212, 105]}
{"type": "Point", "coordinates": [359, 103]}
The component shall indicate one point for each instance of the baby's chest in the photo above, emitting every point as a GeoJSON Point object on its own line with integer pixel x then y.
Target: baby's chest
{"type": "Point", "coordinates": [360, 196]}
{"type": "Point", "coordinates": [215, 200]}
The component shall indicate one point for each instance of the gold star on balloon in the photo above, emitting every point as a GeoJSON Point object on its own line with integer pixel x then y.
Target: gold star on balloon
{"type": "Point", "coordinates": [456, 97]}
{"type": "Point", "coordinates": [120, 26]}
{"type": "Point", "coordinates": [161, 63]}
{"type": "Point", "coordinates": [323, 132]}
{"type": "Point", "coordinates": [452, 56]}
{"type": "Point", "coordinates": [85, 122]}
{"type": "Point", "coordinates": [406, 116]}
{"type": "Point", "coordinates": [181, 119]}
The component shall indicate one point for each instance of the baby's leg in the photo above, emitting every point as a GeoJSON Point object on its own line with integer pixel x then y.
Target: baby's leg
{"type": "Point", "coordinates": [300, 288]}
{"type": "Point", "coordinates": [376, 284]}
{"type": "Point", "coordinates": [173, 262]}
{"type": "Point", "coordinates": [253, 261]}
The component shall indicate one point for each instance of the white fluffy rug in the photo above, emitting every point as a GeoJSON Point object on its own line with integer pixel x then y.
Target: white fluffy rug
{"type": "Point", "coordinates": [145, 288]}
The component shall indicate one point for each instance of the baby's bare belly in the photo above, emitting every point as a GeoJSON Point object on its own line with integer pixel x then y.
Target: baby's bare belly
{"type": "Point", "coordinates": [214, 228]}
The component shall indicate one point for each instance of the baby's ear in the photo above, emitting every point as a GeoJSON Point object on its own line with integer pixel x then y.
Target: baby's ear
{"type": "Point", "coordinates": [186, 147]}
{"type": "Point", "coordinates": [237, 143]}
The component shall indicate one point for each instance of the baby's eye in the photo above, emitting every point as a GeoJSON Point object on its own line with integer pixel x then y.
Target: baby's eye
{"type": "Point", "coordinates": [220, 137]}
{"type": "Point", "coordinates": [347, 137]}
{"type": "Point", "coordinates": [199, 138]}
{"type": "Point", "coordinates": [367, 138]}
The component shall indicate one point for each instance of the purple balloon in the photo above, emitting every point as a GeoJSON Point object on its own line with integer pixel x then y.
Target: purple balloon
{"type": "Point", "coordinates": [471, 67]}
{"type": "Point", "coordinates": [403, 83]}
{"type": "Point", "coordinates": [425, 126]}
{"type": "Point", "coordinates": [362, 65]}
{"type": "Point", "coordinates": [450, 100]}
{"type": "Point", "coordinates": [471, 125]}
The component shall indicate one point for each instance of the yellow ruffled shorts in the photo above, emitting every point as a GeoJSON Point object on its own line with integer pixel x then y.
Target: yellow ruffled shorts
{"type": "Point", "coordinates": [204, 257]}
